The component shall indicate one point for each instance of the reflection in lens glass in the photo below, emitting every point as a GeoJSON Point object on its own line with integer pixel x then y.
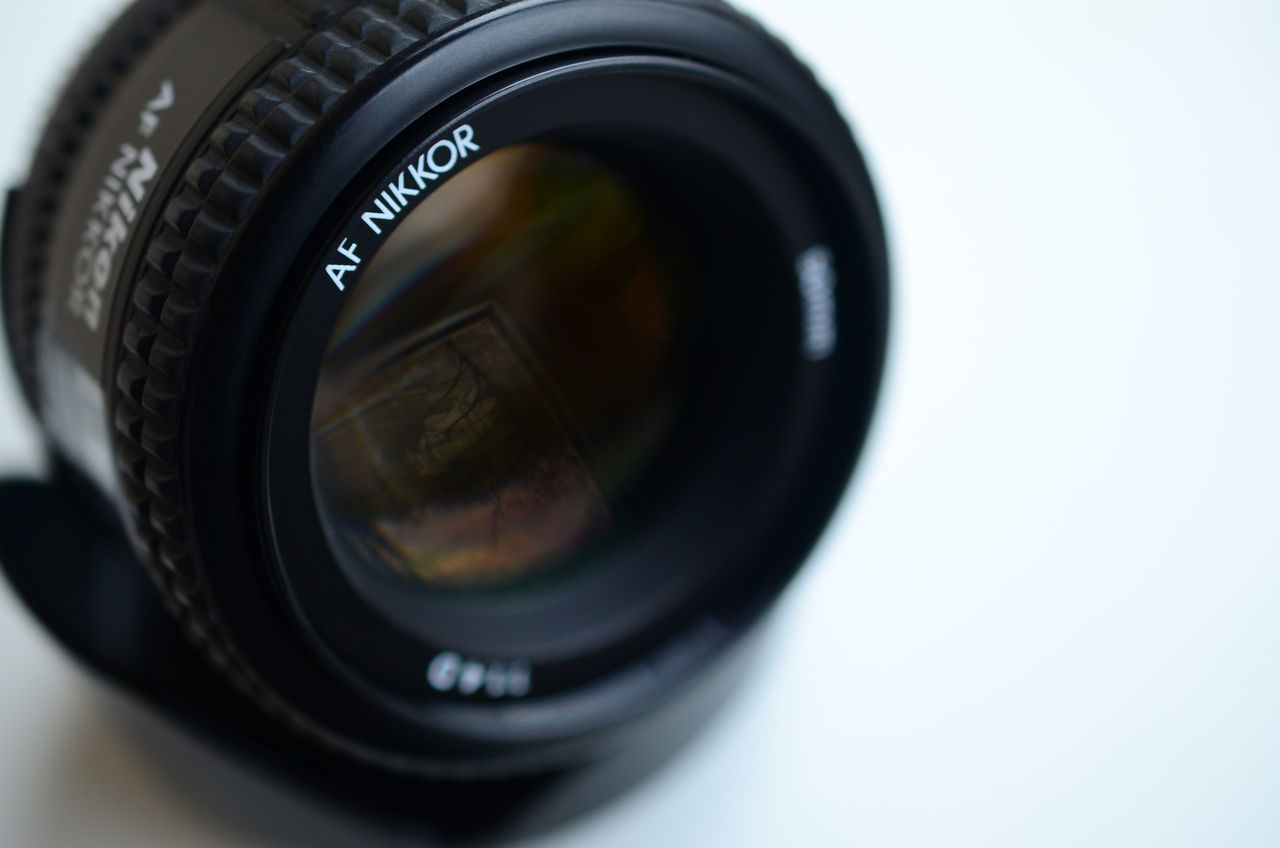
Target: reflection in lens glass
{"type": "Point", "coordinates": [501, 378]}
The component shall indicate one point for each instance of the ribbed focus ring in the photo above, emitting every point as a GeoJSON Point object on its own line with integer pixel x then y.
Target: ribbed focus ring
{"type": "Point", "coordinates": [168, 312]}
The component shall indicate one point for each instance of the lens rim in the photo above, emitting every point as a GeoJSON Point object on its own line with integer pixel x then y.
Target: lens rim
{"type": "Point", "coordinates": [568, 640]}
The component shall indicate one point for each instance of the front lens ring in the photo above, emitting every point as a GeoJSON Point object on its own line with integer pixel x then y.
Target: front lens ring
{"type": "Point", "coordinates": [394, 665]}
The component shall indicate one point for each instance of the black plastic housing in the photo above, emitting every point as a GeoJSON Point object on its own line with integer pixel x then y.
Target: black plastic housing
{"type": "Point", "coordinates": [168, 298]}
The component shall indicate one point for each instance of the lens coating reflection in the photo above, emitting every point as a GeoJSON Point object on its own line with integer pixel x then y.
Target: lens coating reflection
{"type": "Point", "coordinates": [502, 377]}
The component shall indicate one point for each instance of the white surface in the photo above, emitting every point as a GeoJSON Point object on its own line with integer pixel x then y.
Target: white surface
{"type": "Point", "coordinates": [1050, 616]}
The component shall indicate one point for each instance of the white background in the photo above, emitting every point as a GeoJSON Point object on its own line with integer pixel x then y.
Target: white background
{"type": "Point", "coordinates": [1050, 614]}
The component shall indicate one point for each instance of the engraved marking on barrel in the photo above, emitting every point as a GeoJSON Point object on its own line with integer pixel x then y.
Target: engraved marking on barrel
{"type": "Point", "coordinates": [338, 272]}
{"type": "Point", "coordinates": [441, 159]}
{"type": "Point", "coordinates": [818, 280]}
{"type": "Point", "coordinates": [450, 672]}
{"type": "Point", "coordinates": [402, 194]}
{"type": "Point", "coordinates": [114, 214]}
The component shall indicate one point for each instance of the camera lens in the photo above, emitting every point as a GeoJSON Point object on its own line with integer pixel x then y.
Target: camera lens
{"type": "Point", "coordinates": [472, 377]}
{"type": "Point", "coordinates": [504, 375]}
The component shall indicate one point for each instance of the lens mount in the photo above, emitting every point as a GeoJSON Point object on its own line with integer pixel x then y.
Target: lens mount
{"type": "Point", "coordinates": [263, 192]}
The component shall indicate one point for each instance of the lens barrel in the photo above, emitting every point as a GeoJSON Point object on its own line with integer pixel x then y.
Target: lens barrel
{"type": "Point", "coordinates": [471, 376]}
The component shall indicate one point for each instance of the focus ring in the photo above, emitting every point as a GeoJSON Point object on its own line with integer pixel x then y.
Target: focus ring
{"type": "Point", "coordinates": [168, 312]}
{"type": "Point", "coordinates": [39, 204]}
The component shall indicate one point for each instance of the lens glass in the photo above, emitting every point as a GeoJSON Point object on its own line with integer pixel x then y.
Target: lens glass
{"type": "Point", "coordinates": [503, 376]}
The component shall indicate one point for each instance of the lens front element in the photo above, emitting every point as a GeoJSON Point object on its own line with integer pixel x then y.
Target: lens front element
{"type": "Point", "coordinates": [501, 377]}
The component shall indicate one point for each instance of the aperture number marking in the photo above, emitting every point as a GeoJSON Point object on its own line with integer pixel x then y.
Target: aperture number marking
{"type": "Point", "coordinates": [816, 269]}
{"type": "Point", "coordinates": [449, 672]}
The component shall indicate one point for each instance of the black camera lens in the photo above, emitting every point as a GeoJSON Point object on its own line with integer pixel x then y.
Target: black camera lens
{"type": "Point", "coordinates": [471, 376]}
